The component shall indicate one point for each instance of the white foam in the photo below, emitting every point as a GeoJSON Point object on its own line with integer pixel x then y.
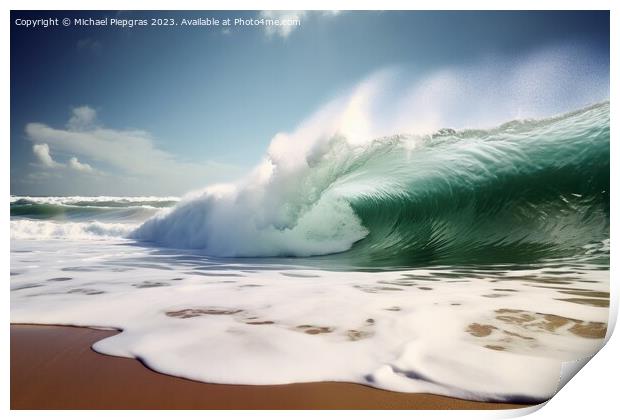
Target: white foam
{"type": "Point", "coordinates": [40, 229]}
{"type": "Point", "coordinates": [423, 346]}
{"type": "Point", "coordinates": [223, 227]}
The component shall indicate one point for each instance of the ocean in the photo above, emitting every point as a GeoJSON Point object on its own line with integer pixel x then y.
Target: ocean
{"type": "Point", "coordinates": [467, 263]}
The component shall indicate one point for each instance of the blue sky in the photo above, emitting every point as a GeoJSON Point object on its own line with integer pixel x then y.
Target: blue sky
{"type": "Point", "coordinates": [113, 111]}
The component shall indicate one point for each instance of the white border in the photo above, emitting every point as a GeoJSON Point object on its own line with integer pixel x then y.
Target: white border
{"type": "Point", "coordinates": [591, 394]}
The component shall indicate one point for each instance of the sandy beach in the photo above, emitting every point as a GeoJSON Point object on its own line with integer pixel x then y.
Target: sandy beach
{"type": "Point", "coordinates": [54, 367]}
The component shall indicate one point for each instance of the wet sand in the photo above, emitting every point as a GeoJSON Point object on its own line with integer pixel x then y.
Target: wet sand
{"type": "Point", "coordinates": [54, 367]}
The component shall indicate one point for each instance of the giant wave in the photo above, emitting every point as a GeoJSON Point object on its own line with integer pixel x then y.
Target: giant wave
{"type": "Point", "coordinates": [526, 189]}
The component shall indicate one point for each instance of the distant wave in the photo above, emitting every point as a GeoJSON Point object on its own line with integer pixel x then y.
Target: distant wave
{"type": "Point", "coordinates": [104, 201]}
{"type": "Point", "coordinates": [78, 208]}
{"type": "Point", "coordinates": [526, 189]}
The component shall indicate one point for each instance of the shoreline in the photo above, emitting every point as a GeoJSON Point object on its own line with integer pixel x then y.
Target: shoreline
{"type": "Point", "coordinates": [54, 367]}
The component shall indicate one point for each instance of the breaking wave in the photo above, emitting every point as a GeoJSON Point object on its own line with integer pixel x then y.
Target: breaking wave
{"type": "Point", "coordinates": [526, 189]}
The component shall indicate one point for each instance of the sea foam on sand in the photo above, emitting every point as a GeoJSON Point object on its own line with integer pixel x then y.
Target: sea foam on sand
{"type": "Point", "coordinates": [495, 334]}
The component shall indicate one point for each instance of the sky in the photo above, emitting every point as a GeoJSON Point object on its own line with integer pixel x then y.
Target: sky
{"type": "Point", "coordinates": [154, 110]}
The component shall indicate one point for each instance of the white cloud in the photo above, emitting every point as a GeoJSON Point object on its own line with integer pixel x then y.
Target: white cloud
{"type": "Point", "coordinates": [82, 117]}
{"type": "Point", "coordinates": [131, 151]}
{"type": "Point", "coordinates": [42, 152]}
{"type": "Point", "coordinates": [130, 156]}
{"type": "Point", "coordinates": [294, 18]}
{"type": "Point", "coordinates": [283, 16]}
{"type": "Point", "coordinates": [74, 163]}
{"type": "Point", "coordinates": [44, 157]}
